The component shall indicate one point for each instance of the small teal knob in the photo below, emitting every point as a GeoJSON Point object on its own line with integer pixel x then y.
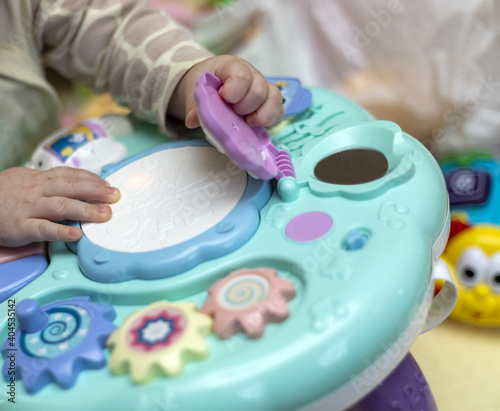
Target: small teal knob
{"type": "Point", "coordinates": [288, 189]}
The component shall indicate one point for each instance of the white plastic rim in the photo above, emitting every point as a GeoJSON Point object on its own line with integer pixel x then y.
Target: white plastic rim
{"type": "Point", "coordinates": [168, 197]}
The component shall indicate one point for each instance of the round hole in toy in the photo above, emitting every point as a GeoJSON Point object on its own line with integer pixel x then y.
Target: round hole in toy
{"type": "Point", "coordinates": [352, 166]}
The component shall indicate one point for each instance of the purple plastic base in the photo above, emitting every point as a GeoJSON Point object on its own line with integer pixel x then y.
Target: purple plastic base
{"type": "Point", "coordinates": [405, 389]}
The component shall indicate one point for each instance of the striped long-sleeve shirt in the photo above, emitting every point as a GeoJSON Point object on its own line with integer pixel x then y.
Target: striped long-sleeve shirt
{"type": "Point", "coordinates": [135, 52]}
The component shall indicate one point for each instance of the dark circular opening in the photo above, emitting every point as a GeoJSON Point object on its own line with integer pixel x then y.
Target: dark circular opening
{"type": "Point", "coordinates": [352, 166]}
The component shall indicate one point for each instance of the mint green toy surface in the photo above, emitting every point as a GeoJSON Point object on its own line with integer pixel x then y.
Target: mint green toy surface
{"type": "Point", "coordinates": [362, 281]}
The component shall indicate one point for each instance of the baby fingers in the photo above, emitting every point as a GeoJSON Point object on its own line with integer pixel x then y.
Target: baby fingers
{"type": "Point", "coordinates": [256, 95]}
{"type": "Point", "coordinates": [63, 208]}
{"type": "Point", "coordinates": [270, 113]}
{"type": "Point", "coordinates": [44, 230]}
{"type": "Point", "coordinates": [78, 184]}
{"type": "Point", "coordinates": [250, 94]}
{"type": "Point", "coordinates": [237, 77]}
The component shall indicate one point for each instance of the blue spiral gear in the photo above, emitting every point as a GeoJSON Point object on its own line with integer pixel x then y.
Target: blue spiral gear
{"type": "Point", "coordinates": [67, 337]}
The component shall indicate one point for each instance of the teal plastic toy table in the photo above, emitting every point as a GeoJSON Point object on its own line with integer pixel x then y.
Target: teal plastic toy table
{"type": "Point", "coordinates": [206, 290]}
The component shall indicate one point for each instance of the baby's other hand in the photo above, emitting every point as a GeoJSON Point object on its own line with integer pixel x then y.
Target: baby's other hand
{"type": "Point", "coordinates": [245, 88]}
{"type": "Point", "coordinates": [32, 200]}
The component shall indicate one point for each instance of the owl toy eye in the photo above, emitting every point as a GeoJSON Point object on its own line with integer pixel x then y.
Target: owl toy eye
{"type": "Point", "coordinates": [493, 274]}
{"type": "Point", "coordinates": [472, 266]}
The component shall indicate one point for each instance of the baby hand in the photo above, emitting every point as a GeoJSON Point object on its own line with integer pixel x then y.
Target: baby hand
{"type": "Point", "coordinates": [32, 200]}
{"type": "Point", "coordinates": [245, 88]}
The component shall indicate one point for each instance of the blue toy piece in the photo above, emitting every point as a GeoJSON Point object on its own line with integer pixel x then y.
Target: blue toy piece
{"type": "Point", "coordinates": [14, 275]}
{"type": "Point", "coordinates": [55, 343]}
{"type": "Point", "coordinates": [474, 187]}
{"type": "Point", "coordinates": [313, 301]}
{"type": "Point", "coordinates": [296, 99]}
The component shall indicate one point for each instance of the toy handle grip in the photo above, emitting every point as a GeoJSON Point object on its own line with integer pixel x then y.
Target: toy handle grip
{"type": "Point", "coordinates": [443, 302]}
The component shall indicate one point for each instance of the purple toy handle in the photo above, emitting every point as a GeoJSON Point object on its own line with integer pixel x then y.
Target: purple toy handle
{"type": "Point", "coordinates": [250, 148]}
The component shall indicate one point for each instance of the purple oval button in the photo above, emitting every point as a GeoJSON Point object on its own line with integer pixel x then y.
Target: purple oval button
{"type": "Point", "coordinates": [308, 226]}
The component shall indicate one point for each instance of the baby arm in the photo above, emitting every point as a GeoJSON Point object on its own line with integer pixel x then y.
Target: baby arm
{"type": "Point", "coordinates": [149, 63]}
{"type": "Point", "coordinates": [32, 200]}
